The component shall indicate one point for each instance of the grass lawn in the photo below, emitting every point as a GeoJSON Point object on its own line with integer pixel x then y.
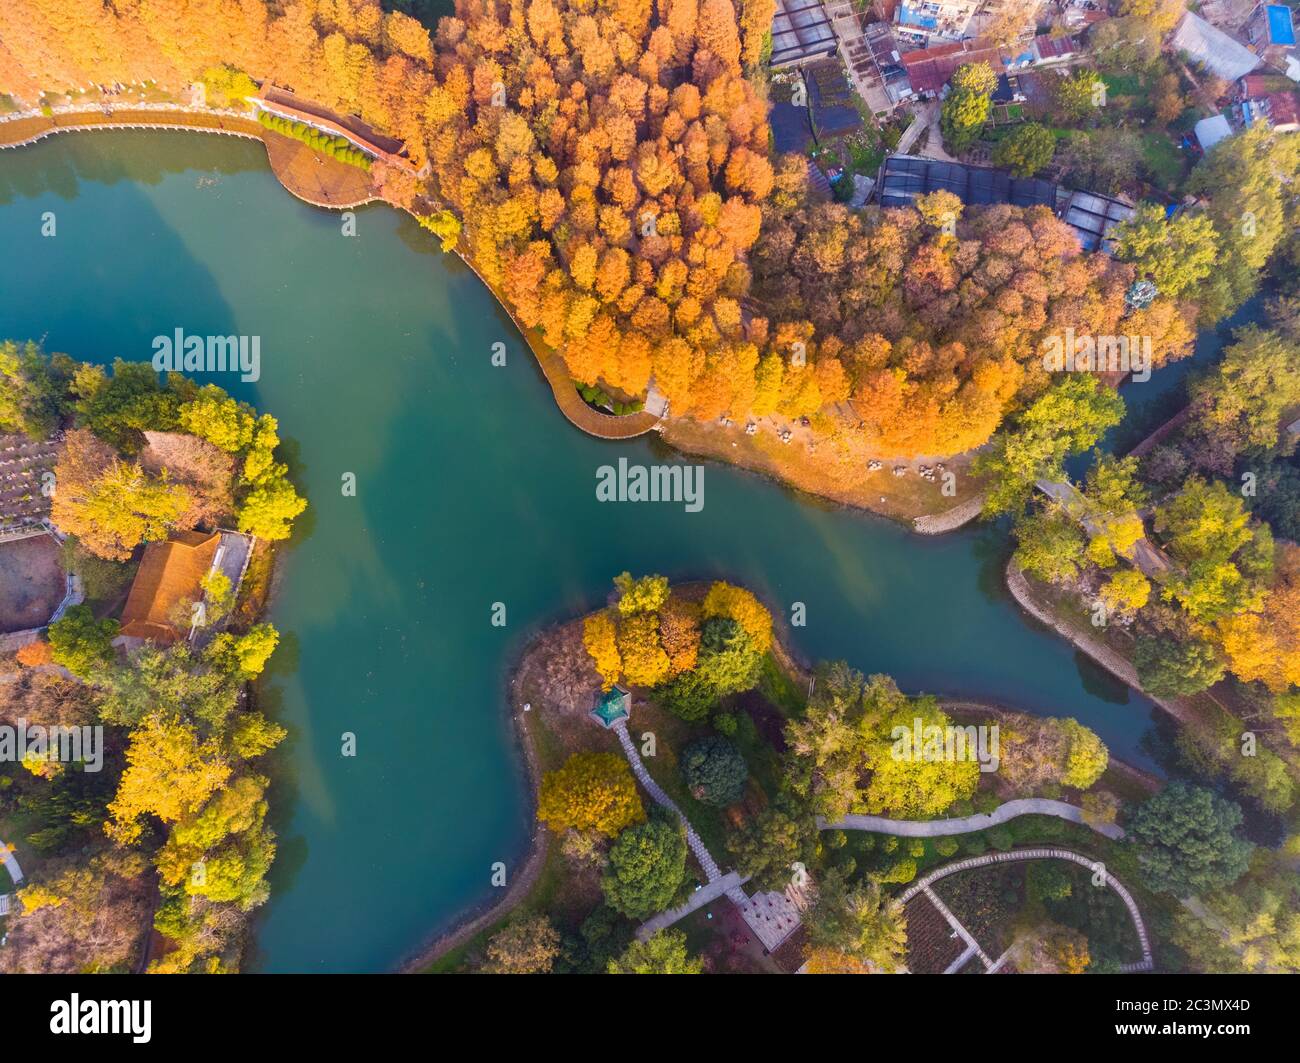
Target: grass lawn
{"type": "Point", "coordinates": [1163, 159]}
{"type": "Point", "coordinates": [1122, 84]}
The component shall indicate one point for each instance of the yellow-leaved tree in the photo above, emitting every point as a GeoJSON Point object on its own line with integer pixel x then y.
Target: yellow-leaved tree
{"type": "Point", "coordinates": [591, 792]}
{"type": "Point", "coordinates": [600, 637]}
{"type": "Point", "coordinates": [741, 606]}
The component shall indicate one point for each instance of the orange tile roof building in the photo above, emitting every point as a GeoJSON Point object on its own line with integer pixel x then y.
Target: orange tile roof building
{"type": "Point", "coordinates": [170, 573]}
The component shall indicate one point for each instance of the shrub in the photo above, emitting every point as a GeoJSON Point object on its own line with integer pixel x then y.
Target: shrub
{"type": "Point", "coordinates": [725, 724]}
{"type": "Point", "coordinates": [646, 868]}
{"type": "Point", "coordinates": [903, 871]}
{"type": "Point", "coordinates": [714, 770]}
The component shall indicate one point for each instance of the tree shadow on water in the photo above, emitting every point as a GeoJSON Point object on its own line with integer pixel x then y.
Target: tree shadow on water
{"type": "Point", "coordinates": [1100, 683]}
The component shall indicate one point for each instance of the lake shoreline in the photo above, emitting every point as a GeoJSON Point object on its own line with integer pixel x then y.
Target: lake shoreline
{"type": "Point", "coordinates": [486, 914]}
{"type": "Point", "coordinates": [181, 118]}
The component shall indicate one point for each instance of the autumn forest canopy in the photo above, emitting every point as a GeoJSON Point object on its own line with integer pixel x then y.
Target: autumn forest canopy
{"type": "Point", "coordinates": [608, 166]}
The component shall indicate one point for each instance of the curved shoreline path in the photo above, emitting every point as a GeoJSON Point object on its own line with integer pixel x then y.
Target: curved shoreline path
{"type": "Point", "coordinates": [922, 885]}
{"type": "Point", "coordinates": [941, 828]}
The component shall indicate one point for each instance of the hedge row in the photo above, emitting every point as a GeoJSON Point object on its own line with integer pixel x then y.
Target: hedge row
{"type": "Point", "coordinates": [595, 396]}
{"type": "Point", "coordinates": [337, 147]}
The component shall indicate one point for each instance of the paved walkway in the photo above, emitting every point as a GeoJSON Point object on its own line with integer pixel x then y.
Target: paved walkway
{"type": "Point", "coordinates": [706, 861]}
{"type": "Point", "coordinates": [972, 946]}
{"type": "Point", "coordinates": [702, 896]}
{"type": "Point", "coordinates": [770, 916]}
{"type": "Point", "coordinates": [939, 828]}
{"type": "Point", "coordinates": [922, 885]}
{"type": "Point", "coordinates": [11, 864]}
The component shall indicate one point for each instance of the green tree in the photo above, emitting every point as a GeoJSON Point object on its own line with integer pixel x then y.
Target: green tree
{"type": "Point", "coordinates": [1226, 561]}
{"type": "Point", "coordinates": [857, 920]}
{"type": "Point", "coordinates": [1172, 667]}
{"type": "Point", "coordinates": [1077, 96]}
{"type": "Point", "coordinates": [1246, 181]}
{"type": "Point", "coordinates": [1240, 404]}
{"type": "Point", "coordinates": [1068, 419]}
{"type": "Point", "coordinates": [1026, 150]}
{"type": "Point", "coordinates": [771, 845]}
{"type": "Point", "coordinates": [1049, 544]}
{"type": "Point", "coordinates": [1177, 255]}
{"type": "Point", "coordinates": [1186, 841]}
{"type": "Point", "coordinates": [120, 407]}
{"type": "Point", "coordinates": [968, 105]}
{"type": "Point", "coordinates": [714, 770]}
{"type": "Point", "coordinates": [728, 663]}
{"type": "Point", "coordinates": [33, 389]}
{"type": "Point", "coordinates": [646, 867]}
{"type": "Point", "coordinates": [82, 644]}
{"type": "Point", "coordinates": [664, 953]}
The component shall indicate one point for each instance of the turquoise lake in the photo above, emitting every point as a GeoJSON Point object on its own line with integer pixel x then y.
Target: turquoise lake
{"type": "Point", "coordinates": [472, 489]}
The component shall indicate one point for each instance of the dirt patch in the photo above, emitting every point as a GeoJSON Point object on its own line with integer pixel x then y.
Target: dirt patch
{"type": "Point", "coordinates": [837, 469]}
{"type": "Point", "coordinates": [316, 178]}
{"type": "Point", "coordinates": [32, 582]}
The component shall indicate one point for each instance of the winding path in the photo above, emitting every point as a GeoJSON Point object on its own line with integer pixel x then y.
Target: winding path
{"type": "Point", "coordinates": [923, 884]}
{"type": "Point", "coordinates": [717, 885]}
{"type": "Point", "coordinates": [939, 828]}
{"type": "Point", "coordinates": [693, 840]}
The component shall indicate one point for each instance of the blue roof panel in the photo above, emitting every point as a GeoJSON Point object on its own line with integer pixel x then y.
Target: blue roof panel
{"type": "Point", "coordinates": [1280, 28]}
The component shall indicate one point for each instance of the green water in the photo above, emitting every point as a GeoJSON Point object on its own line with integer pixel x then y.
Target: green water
{"type": "Point", "coordinates": [472, 489]}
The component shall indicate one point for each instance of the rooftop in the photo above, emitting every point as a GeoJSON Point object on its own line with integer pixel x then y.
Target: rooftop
{"type": "Point", "coordinates": [904, 177]}
{"type": "Point", "coordinates": [801, 30]}
{"type": "Point", "coordinates": [170, 573]}
{"type": "Point", "coordinates": [1209, 131]}
{"type": "Point", "coordinates": [1092, 216]}
{"type": "Point", "coordinates": [1213, 48]}
{"type": "Point", "coordinates": [612, 706]}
